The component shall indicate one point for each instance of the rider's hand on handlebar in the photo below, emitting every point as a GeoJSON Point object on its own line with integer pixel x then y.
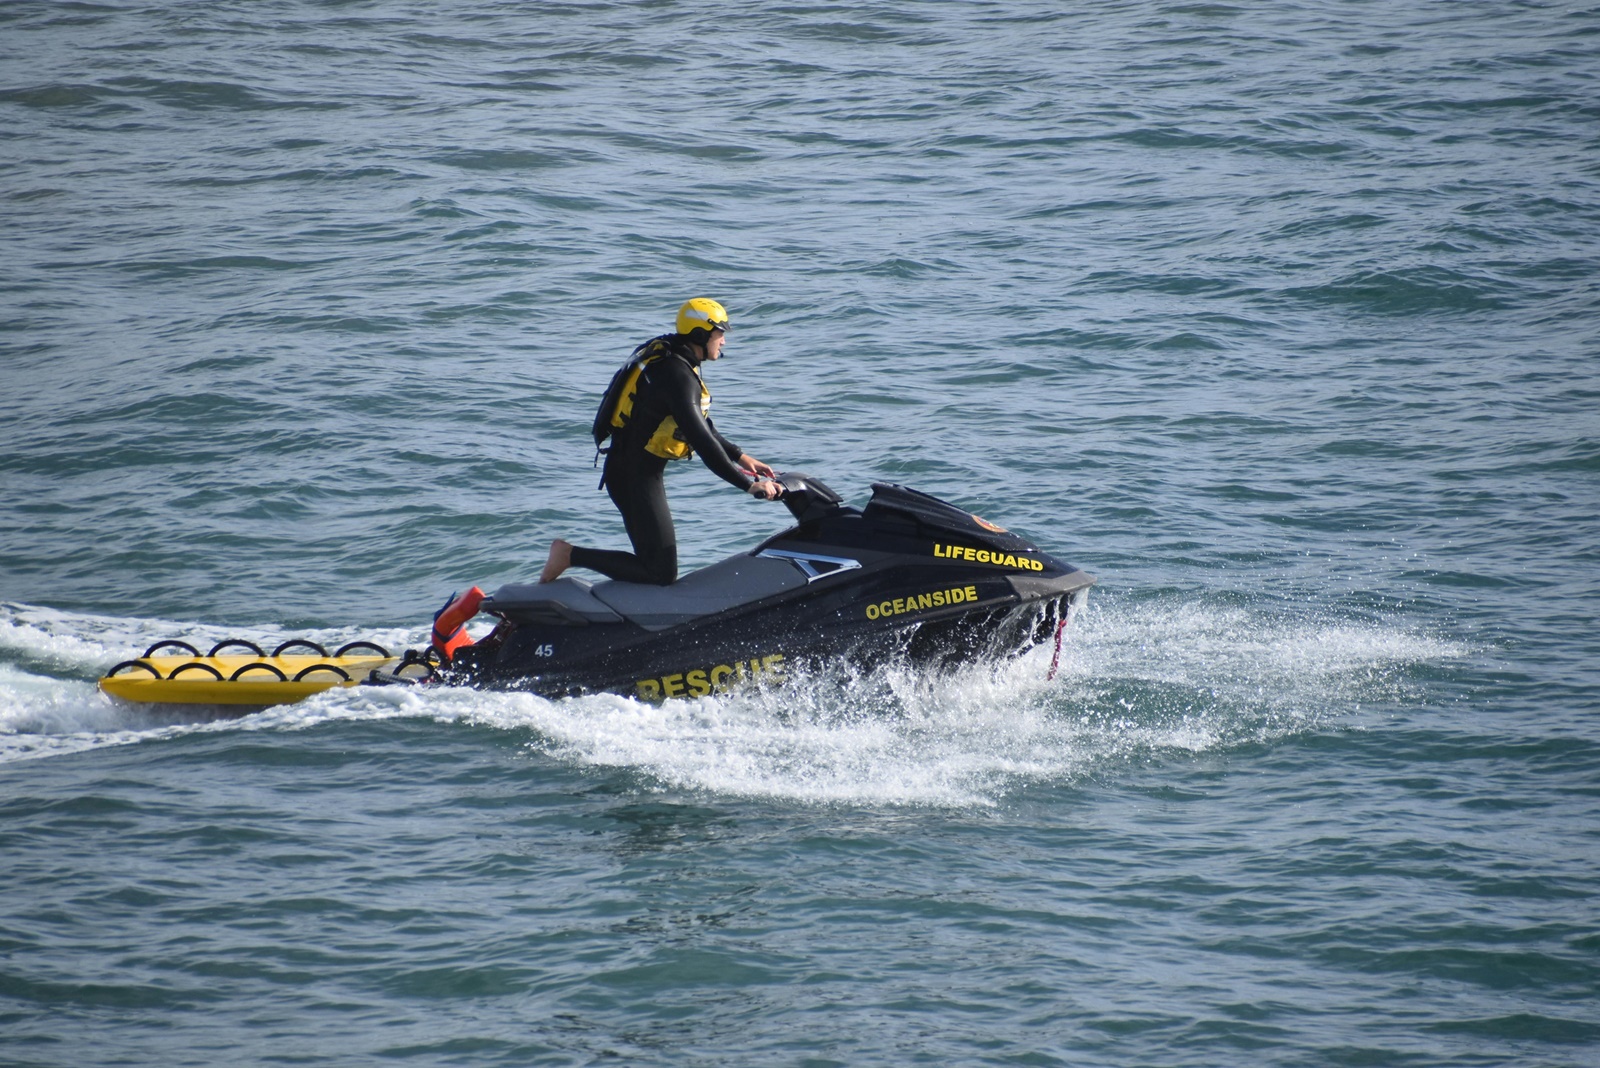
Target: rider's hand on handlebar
{"type": "Point", "coordinates": [766, 489]}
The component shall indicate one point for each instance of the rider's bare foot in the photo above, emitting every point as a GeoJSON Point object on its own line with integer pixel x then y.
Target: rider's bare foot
{"type": "Point", "coordinates": [559, 560]}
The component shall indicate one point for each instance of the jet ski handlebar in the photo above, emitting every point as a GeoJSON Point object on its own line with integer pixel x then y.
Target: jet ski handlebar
{"type": "Point", "coordinates": [806, 498]}
{"type": "Point", "coordinates": [776, 476]}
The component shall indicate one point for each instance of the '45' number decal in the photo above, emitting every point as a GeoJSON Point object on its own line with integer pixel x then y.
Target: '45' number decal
{"type": "Point", "coordinates": [544, 650]}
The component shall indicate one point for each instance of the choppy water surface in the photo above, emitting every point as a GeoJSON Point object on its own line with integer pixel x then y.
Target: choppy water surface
{"type": "Point", "coordinates": [1280, 319]}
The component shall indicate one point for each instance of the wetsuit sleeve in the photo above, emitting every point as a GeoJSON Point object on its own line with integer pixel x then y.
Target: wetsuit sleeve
{"type": "Point", "coordinates": [733, 451]}
{"type": "Point", "coordinates": [681, 391]}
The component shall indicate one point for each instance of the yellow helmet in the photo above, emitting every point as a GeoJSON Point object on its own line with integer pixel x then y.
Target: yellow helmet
{"type": "Point", "coordinates": [702, 313]}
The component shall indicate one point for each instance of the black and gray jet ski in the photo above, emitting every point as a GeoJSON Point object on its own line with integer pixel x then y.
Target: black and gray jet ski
{"type": "Point", "coordinates": [909, 575]}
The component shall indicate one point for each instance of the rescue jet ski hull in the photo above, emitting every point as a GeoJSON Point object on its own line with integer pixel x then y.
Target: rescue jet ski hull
{"type": "Point", "coordinates": [908, 576]}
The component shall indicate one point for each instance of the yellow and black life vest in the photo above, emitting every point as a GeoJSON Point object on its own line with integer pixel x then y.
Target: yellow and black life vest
{"type": "Point", "coordinates": [616, 408]}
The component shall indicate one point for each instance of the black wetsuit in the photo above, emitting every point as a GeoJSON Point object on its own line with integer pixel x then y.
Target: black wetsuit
{"type": "Point", "coordinates": [634, 477]}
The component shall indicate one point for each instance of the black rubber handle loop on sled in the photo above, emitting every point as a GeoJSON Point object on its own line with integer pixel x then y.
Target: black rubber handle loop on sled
{"type": "Point", "coordinates": [182, 647]}
{"type": "Point", "coordinates": [344, 650]}
{"type": "Point", "coordinates": [135, 664]}
{"type": "Point", "coordinates": [300, 643]}
{"type": "Point", "coordinates": [240, 642]}
{"type": "Point", "coordinates": [257, 666]}
{"type": "Point", "coordinates": [180, 669]}
{"type": "Point", "coordinates": [335, 668]}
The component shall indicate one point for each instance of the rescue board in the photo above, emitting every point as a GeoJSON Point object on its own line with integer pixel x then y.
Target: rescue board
{"type": "Point", "coordinates": [239, 672]}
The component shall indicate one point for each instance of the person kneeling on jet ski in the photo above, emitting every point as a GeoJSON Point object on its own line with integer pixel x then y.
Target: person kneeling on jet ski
{"type": "Point", "coordinates": [657, 409]}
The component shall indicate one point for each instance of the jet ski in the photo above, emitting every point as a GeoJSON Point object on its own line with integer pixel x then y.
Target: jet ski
{"type": "Point", "coordinates": [909, 575]}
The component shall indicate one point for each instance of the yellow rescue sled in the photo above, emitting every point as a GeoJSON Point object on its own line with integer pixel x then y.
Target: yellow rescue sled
{"type": "Point", "coordinates": [239, 672]}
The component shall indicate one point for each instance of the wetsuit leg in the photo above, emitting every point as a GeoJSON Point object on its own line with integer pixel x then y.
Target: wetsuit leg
{"type": "Point", "coordinates": [642, 500]}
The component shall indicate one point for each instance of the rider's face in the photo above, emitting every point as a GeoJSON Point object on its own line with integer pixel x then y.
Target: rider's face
{"type": "Point", "coordinates": [714, 344]}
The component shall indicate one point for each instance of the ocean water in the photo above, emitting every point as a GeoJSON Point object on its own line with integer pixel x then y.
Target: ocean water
{"type": "Point", "coordinates": [1281, 319]}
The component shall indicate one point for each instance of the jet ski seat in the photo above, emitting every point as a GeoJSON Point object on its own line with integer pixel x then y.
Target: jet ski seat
{"type": "Point", "coordinates": [566, 600]}
{"type": "Point", "coordinates": [727, 584]}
